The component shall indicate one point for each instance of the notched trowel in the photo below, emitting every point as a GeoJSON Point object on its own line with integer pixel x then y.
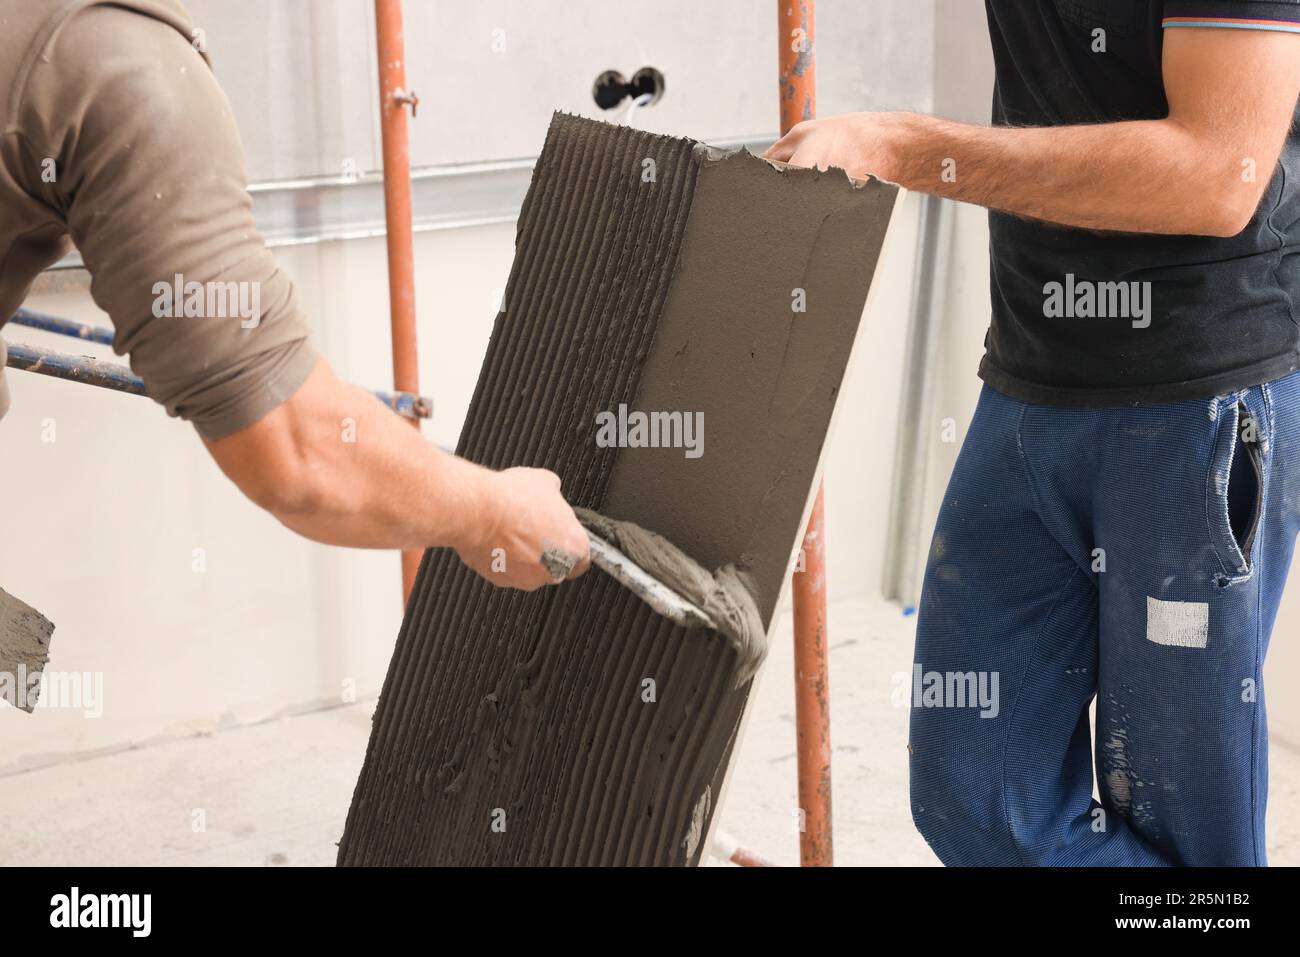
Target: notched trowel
{"type": "Point", "coordinates": [645, 586]}
{"type": "Point", "coordinates": [677, 587]}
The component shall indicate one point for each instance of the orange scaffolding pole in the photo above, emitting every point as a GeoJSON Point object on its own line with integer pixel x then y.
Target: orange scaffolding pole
{"type": "Point", "coordinates": [394, 98]}
{"type": "Point", "coordinates": [797, 59]}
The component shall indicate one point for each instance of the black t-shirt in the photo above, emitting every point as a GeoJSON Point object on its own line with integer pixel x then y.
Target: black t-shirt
{"type": "Point", "coordinates": [1082, 318]}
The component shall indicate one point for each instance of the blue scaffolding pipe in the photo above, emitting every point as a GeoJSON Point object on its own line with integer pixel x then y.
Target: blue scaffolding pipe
{"type": "Point", "coordinates": [84, 369]}
{"type": "Point", "coordinates": [119, 378]}
{"type": "Point", "coordinates": [64, 327]}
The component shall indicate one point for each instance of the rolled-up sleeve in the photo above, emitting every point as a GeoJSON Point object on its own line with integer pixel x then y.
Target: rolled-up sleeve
{"type": "Point", "coordinates": [151, 182]}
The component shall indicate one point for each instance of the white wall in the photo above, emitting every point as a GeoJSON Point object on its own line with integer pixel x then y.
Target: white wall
{"type": "Point", "coordinates": [301, 73]}
{"type": "Point", "coordinates": [103, 522]}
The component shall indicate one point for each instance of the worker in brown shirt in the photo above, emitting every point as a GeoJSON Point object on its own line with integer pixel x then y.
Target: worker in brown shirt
{"type": "Point", "coordinates": [118, 139]}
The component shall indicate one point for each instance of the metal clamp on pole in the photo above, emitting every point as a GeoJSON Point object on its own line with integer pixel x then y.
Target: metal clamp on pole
{"type": "Point", "coordinates": [410, 99]}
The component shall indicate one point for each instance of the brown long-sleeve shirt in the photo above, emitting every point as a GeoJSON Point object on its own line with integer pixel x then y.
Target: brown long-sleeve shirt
{"type": "Point", "coordinates": [118, 139]}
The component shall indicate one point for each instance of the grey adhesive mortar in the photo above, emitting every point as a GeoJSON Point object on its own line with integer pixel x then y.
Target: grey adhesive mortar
{"type": "Point", "coordinates": [726, 596]}
{"type": "Point", "coordinates": [574, 725]}
{"type": "Point", "coordinates": [766, 377]}
{"type": "Point", "coordinates": [24, 646]}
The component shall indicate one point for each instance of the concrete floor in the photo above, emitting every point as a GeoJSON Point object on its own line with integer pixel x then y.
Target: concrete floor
{"type": "Point", "coordinates": [277, 793]}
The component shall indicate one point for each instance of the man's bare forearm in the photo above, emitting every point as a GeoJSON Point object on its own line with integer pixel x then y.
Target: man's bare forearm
{"type": "Point", "coordinates": [336, 466]}
{"type": "Point", "coordinates": [1200, 170]}
{"type": "Point", "coordinates": [339, 467]}
{"type": "Point", "coordinates": [1150, 176]}
{"type": "Point", "coordinates": [396, 491]}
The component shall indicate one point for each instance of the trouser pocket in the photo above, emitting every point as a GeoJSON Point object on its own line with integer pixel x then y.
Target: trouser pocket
{"type": "Point", "coordinates": [1238, 482]}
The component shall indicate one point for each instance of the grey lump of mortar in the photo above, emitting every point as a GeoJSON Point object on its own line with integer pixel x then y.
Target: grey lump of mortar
{"type": "Point", "coordinates": [725, 595]}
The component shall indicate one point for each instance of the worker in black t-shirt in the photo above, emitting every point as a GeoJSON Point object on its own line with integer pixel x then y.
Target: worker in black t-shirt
{"type": "Point", "coordinates": [1122, 517]}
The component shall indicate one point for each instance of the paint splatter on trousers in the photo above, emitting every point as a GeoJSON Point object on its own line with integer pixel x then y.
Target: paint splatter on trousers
{"type": "Point", "coordinates": [1133, 556]}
